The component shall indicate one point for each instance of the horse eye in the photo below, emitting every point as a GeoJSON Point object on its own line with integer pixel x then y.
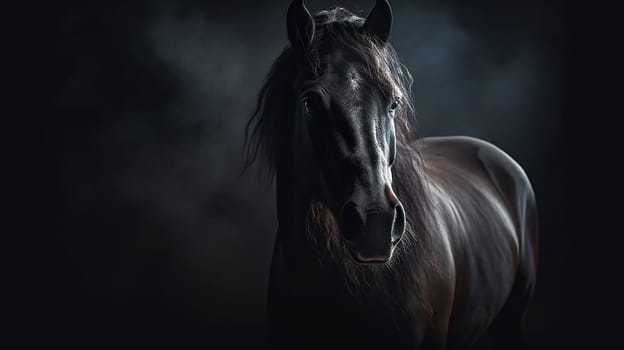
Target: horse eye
{"type": "Point", "coordinates": [307, 105]}
{"type": "Point", "coordinates": [310, 104]}
{"type": "Point", "coordinates": [394, 105]}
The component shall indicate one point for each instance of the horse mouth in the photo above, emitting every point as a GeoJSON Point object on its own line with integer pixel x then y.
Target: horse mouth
{"type": "Point", "coordinates": [360, 259]}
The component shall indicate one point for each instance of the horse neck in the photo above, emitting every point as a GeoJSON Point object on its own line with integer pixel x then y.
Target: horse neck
{"type": "Point", "coordinates": [292, 206]}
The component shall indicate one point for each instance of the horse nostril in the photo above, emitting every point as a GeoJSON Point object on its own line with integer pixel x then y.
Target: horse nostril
{"type": "Point", "coordinates": [398, 225]}
{"type": "Point", "coordinates": [352, 221]}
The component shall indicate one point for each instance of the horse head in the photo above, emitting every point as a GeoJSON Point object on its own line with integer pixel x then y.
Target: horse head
{"type": "Point", "coordinates": [347, 99]}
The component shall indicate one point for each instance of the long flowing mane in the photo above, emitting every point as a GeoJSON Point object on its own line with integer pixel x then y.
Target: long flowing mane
{"type": "Point", "coordinates": [268, 135]}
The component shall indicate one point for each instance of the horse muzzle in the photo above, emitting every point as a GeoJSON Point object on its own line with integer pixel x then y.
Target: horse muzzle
{"type": "Point", "coordinates": [371, 234]}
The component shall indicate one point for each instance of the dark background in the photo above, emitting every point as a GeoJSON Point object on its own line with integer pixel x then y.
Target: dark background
{"type": "Point", "coordinates": [153, 228]}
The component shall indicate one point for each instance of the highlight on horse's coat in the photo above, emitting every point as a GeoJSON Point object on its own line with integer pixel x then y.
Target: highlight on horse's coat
{"type": "Point", "coordinates": [385, 240]}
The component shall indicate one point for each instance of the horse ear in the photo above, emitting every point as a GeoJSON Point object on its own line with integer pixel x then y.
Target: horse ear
{"type": "Point", "coordinates": [300, 25]}
{"type": "Point", "coordinates": [379, 21]}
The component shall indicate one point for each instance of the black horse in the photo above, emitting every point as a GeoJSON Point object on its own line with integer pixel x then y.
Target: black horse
{"type": "Point", "coordinates": [385, 241]}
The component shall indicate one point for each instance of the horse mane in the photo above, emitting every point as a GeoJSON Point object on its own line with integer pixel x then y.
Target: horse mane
{"type": "Point", "coordinates": [269, 132]}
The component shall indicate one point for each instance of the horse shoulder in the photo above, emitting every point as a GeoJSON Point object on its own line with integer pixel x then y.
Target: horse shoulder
{"type": "Point", "coordinates": [506, 181]}
{"type": "Point", "coordinates": [509, 179]}
{"type": "Point", "coordinates": [514, 185]}
{"type": "Point", "coordinates": [507, 176]}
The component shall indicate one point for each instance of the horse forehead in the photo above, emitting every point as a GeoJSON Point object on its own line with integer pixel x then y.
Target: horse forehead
{"type": "Point", "coordinates": [349, 84]}
{"type": "Point", "coordinates": [353, 78]}
{"type": "Point", "coordinates": [344, 75]}
{"type": "Point", "coordinates": [352, 92]}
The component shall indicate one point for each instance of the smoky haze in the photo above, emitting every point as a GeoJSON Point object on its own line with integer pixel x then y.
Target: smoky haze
{"type": "Point", "coordinates": [157, 230]}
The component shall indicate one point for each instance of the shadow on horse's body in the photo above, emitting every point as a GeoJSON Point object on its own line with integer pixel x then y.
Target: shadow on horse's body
{"type": "Point", "coordinates": [431, 250]}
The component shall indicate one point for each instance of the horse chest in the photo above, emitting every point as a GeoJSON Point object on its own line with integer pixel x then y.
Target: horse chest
{"type": "Point", "coordinates": [318, 305]}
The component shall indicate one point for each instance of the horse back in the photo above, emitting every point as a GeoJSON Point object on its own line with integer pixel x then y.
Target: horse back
{"type": "Point", "coordinates": [486, 220]}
